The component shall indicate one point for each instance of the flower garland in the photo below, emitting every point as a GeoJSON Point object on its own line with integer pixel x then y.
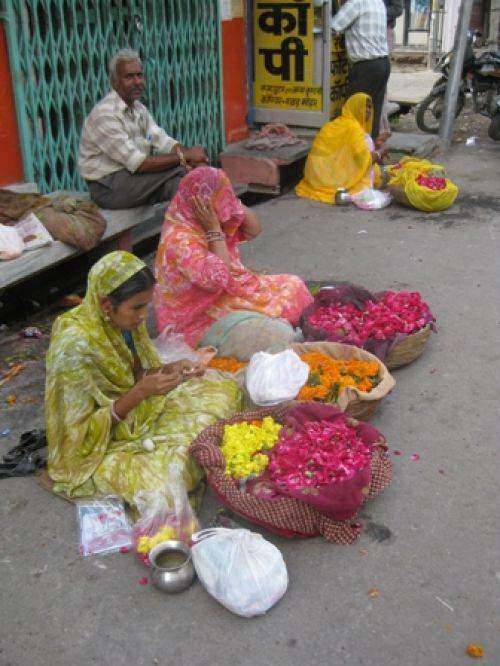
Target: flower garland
{"type": "Point", "coordinates": [317, 454]}
{"type": "Point", "coordinates": [227, 364]}
{"type": "Point", "coordinates": [242, 444]}
{"type": "Point", "coordinates": [328, 376]}
{"type": "Point", "coordinates": [394, 313]}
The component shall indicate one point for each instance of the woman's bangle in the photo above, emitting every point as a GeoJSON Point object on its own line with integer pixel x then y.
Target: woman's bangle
{"type": "Point", "coordinates": [114, 415]}
{"type": "Point", "coordinates": [211, 236]}
{"type": "Point", "coordinates": [182, 158]}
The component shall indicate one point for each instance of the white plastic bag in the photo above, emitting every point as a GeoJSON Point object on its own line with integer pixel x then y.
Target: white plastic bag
{"type": "Point", "coordinates": [103, 526]}
{"type": "Point", "coordinates": [274, 378]}
{"type": "Point", "coordinates": [242, 570]}
{"type": "Point", "coordinates": [371, 199]}
{"type": "Point", "coordinates": [11, 243]}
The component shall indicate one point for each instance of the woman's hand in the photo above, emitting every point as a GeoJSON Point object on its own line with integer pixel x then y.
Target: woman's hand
{"type": "Point", "coordinates": [159, 382]}
{"type": "Point", "coordinates": [188, 369]}
{"type": "Point", "coordinates": [206, 215]}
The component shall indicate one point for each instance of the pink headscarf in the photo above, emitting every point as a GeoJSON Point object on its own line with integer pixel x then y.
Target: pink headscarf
{"type": "Point", "coordinates": [209, 184]}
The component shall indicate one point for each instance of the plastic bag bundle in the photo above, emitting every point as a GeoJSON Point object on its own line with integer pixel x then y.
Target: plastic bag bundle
{"type": "Point", "coordinates": [274, 378]}
{"type": "Point", "coordinates": [422, 185]}
{"type": "Point", "coordinates": [239, 568]}
{"type": "Point", "coordinates": [371, 199]}
{"type": "Point", "coordinates": [164, 515]}
{"type": "Point", "coordinates": [243, 333]}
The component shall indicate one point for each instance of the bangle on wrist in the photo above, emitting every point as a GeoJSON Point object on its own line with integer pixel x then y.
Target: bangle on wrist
{"type": "Point", "coordinates": [182, 158]}
{"type": "Point", "coordinates": [211, 236]}
{"type": "Point", "coordinates": [114, 415]}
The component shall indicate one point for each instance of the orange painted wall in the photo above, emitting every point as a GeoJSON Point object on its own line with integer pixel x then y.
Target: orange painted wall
{"type": "Point", "coordinates": [11, 167]}
{"type": "Point", "coordinates": [234, 73]}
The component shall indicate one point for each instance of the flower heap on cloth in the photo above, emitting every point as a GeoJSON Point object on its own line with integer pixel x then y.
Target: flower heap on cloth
{"type": "Point", "coordinates": [227, 364]}
{"type": "Point", "coordinates": [376, 322]}
{"type": "Point", "coordinates": [307, 514]}
{"type": "Point", "coordinates": [243, 445]}
{"type": "Point", "coordinates": [323, 457]}
{"type": "Point", "coordinates": [329, 377]}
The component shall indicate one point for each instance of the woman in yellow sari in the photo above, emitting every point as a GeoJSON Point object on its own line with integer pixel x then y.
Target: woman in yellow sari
{"type": "Point", "coordinates": [343, 154]}
{"type": "Point", "coordinates": [116, 421]}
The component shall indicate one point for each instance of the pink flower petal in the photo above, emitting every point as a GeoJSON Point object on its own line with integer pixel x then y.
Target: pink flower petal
{"type": "Point", "coordinates": [124, 549]}
{"type": "Point", "coordinates": [397, 452]}
{"type": "Point", "coordinates": [143, 580]}
{"type": "Point", "coordinates": [415, 456]}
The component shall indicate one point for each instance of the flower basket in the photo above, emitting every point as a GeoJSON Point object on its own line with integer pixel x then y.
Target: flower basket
{"type": "Point", "coordinates": [409, 349]}
{"type": "Point", "coordinates": [286, 516]}
{"type": "Point", "coordinates": [360, 405]}
{"type": "Point", "coordinates": [395, 350]}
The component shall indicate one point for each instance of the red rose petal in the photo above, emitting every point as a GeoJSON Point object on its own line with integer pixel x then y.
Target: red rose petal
{"type": "Point", "coordinates": [124, 549]}
{"type": "Point", "coordinates": [143, 580]}
{"type": "Point", "coordinates": [397, 452]}
{"type": "Point", "coordinates": [415, 456]}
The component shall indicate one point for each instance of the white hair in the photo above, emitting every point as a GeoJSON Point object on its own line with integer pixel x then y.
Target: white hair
{"type": "Point", "coordinates": [123, 55]}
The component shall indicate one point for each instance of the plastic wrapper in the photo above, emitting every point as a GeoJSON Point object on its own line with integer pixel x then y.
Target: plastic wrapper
{"type": "Point", "coordinates": [274, 378]}
{"type": "Point", "coordinates": [239, 568]}
{"type": "Point", "coordinates": [371, 199]}
{"type": "Point", "coordinates": [103, 526]}
{"type": "Point", "coordinates": [33, 233]}
{"type": "Point", "coordinates": [172, 347]}
{"type": "Point", "coordinates": [164, 515]}
{"type": "Point", "coordinates": [11, 243]}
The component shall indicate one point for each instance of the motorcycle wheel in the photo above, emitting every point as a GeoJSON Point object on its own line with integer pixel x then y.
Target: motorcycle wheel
{"type": "Point", "coordinates": [430, 109]}
{"type": "Point", "coordinates": [494, 128]}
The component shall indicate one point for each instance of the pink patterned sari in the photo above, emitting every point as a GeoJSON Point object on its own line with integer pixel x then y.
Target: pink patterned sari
{"type": "Point", "coordinates": [195, 288]}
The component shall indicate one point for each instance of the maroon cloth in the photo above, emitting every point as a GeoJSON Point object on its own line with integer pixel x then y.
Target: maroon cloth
{"type": "Point", "coordinates": [346, 293]}
{"type": "Point", "coordinates": [286, 516]}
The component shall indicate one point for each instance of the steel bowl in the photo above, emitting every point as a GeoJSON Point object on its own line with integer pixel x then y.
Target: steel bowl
{"type": "Point", "coordinates": [172, 568]}
{"type": "Point", "coordinates": [342, 197]}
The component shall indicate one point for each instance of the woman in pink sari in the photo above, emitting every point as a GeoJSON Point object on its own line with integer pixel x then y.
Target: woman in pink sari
{"type": "Point", "coordinates": [198, 269]}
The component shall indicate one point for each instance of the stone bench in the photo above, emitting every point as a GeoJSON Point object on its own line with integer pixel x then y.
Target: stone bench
{"type": "Point", "coordinates": [128, 227]}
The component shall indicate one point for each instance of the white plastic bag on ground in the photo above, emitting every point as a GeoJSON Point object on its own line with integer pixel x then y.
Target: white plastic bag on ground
{"type": "Point", "coordinates": [242, 570]}
{"type": "Point", "coordinates": [11, 243]}
{"type": "Point", "coordinates": [371, 199]}
{"type": "Point", "coordinates": [274, 378]}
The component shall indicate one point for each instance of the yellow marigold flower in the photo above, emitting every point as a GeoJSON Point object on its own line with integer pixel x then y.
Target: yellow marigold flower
{"type": "Point", "coordinates": [242, 444]}
{"type": "Point", "coordinates": [474, 650]}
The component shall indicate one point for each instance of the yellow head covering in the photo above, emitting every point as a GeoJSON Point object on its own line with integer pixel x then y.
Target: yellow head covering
{"type": "Point", "coordinates": [340, 156]}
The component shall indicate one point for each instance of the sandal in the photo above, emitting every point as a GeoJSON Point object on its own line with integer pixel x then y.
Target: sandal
{"type": "Point", "coordinates": [28, 465]}
{"type": "Point", "coordinates": [29, 442]}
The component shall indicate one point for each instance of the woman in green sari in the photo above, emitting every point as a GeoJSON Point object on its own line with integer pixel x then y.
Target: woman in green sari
{"type": "Point", "coordinates": [116, 420]}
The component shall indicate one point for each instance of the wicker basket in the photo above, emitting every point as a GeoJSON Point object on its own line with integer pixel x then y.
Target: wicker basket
{"type": "Point", "coordinates": [358, 404]}
{"type": "Point", "coordinates": [285, 516]}
{"type": "Point", "coordinates": [409, 349]}
{"type": "Point", "coordinates": [399, 195]}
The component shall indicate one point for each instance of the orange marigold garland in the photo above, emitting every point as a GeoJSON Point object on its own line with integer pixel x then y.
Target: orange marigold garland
{"type": "Point", "coordinates": [328, 376]}
{"type": "Point", "coordinates": [227, 364]}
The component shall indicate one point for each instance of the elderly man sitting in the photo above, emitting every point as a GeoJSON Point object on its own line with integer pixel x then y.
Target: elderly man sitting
{"type": "Point", "coordinates": [126, 159]}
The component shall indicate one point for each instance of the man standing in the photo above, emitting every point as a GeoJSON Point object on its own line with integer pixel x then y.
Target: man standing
{"type": "Point", "coordinates": [365, 25]}
{"type": "Point", "coordinates": [126, 159]}
{"type": "Point", "coordinates": [394, 10]}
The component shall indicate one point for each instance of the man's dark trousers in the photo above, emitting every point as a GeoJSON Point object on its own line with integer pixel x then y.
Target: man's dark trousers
{"type": "Point", "coordinates": [370, 77]}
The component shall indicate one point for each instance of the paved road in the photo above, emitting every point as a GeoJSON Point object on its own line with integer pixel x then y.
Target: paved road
{"type": "Point", "coordinates": [411, 87]}
{"type": "Point", "coordinates": [438, 571]}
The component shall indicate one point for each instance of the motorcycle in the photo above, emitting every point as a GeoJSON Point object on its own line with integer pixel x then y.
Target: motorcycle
{"type": "Point", "coordinates": [480, 79]}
